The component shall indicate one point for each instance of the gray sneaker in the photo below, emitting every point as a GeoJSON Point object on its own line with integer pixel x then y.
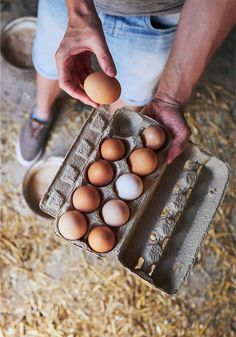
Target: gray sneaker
{"type": "Point", "coordinates": [32, 141]}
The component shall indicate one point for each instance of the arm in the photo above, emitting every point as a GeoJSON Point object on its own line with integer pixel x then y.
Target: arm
{"type": "Point", "coordinates": [203, 26]}
{"type": "Point", "coordinates": [83, 38]}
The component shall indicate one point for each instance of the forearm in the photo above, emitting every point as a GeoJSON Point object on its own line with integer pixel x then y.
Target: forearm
{"type": "Point", "coordinates": [203, 26]}
{"type": "Point", "coordinates": [80, 9]}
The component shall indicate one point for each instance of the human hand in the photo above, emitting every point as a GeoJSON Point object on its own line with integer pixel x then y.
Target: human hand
{"type": "Point", "coordinates": [170, 114]}
{"type": "Point", "coordinates": [83, 38]}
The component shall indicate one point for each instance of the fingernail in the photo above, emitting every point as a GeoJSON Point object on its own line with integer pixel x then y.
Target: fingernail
{"type": "Point", "coordinates": [110, 72]}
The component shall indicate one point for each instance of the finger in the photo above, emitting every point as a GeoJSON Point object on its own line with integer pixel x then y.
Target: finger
{"type": "Point", "coordinates": [64, 65]}
{"type": "Point", "coordinates": [78, 93]}
{"type": "Point", "coordinates": [67, 82]}
{"type": "Point", "coordinates": [147, 111]}
{"type": "Point", "coordinates": [82, 76]}
{"type": "Point", "coordinates": [105, 59]}
{"type": "Point", "coordinates": [173, 153]}
{"type": "Point", "coordinates": [89, 70]}
{"type": "Point", "coordinates": [178, 144]}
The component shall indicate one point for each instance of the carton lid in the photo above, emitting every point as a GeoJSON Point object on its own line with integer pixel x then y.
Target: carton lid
{"type": "Point", "coordinates": [162, 252]}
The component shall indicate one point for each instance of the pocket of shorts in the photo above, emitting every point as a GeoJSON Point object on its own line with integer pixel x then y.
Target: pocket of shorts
{"type": "Point", "coordinates": [154, 24]}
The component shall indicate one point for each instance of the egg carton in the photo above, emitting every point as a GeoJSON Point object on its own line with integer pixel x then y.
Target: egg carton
{"type": "Point", "coordinates": [127, 126]}
{"type": "Point", "coordinates": [168, 222]}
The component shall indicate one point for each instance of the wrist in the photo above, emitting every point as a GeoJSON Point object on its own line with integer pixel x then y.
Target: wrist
{"type": "Point", "coordinates": [176, 92]}
{"type": "Point", "coordinates": [81, 11]}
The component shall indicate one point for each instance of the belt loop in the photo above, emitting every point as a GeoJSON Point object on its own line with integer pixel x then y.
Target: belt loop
{"type": "Point", "coordinates": [117, 25]}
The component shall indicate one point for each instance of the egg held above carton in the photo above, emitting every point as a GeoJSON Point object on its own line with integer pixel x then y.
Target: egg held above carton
{"type": "Point", "coordinates": [168, 222]}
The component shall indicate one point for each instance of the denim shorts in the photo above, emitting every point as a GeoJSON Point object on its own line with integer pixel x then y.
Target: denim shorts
{"type": "Point", "coordinates": [139, 46]}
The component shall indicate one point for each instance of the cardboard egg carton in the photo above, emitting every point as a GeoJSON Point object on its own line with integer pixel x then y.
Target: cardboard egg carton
{"type": "Point", "coordinates": [85, 151]}
{"type": "Point", "coordinates": [168, 222]}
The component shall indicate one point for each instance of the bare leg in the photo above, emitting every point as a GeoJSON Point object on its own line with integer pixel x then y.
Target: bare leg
{"type": "Point", "coordinates": [46, 93]}
{"type": "Point", "coordinates": [120, 104]}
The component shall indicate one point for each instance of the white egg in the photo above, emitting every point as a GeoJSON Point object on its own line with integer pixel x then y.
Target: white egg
{"type": "Point", "coordinates": [129, 186]}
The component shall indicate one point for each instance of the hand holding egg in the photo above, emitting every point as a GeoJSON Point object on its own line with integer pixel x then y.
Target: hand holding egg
{"type": "Point", "coordinates": [74, 55]}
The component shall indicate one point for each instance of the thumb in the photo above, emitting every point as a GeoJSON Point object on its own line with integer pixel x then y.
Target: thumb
{"type": "Point", "coordinates": [146, 110]}
{"type": "Point", "coordinates": [174, 152]}
{"type": "Point", "coordinates": [178, 144]}
{"type": "Point", "coordinates": [105, 59]}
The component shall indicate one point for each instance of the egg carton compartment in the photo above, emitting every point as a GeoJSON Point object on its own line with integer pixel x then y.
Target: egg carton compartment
{"type": "Point", "coordinates": [126, 125]}
{"type": "Point", "coordinates": [168, 221]}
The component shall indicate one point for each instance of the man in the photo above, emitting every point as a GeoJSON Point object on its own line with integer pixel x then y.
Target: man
{"type": "Point", "coordinates": [158, 49]}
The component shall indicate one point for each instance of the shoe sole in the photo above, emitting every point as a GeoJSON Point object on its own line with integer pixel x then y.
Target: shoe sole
{"type": "Point", "coordinates": [24, 162]}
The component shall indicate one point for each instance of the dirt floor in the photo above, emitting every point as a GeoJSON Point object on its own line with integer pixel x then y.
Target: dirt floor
{"type": "Point", "coordinates": [52, 289]}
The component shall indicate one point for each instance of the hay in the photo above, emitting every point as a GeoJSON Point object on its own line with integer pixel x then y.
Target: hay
{"type": "Point", "coordinates": [50, 289]}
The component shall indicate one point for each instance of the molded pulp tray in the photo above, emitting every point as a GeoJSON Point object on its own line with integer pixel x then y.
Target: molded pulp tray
{"type": "Point", "coordinates": [168, 221]}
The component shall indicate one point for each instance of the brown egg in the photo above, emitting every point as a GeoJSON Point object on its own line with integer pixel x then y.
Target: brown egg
{"type": "Point", "coordinates": [102, 88]}
{"type": "Point", "coordinates": [102, 239]}
{"type": "Point", "coordinates": [86, 199]}
{"type": "Point", "coordinates": [115, 212]}
{"type": "Point", "coordinates": [143, 161]}
{"type": "Point", "coordinates": [72, 225]}
{"type": "Point", "coordinates": [112, 149]}
{"type": "Point", "coordinates": [100, 173]}
{"type": "Point", "coordinates": [154, 137]}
